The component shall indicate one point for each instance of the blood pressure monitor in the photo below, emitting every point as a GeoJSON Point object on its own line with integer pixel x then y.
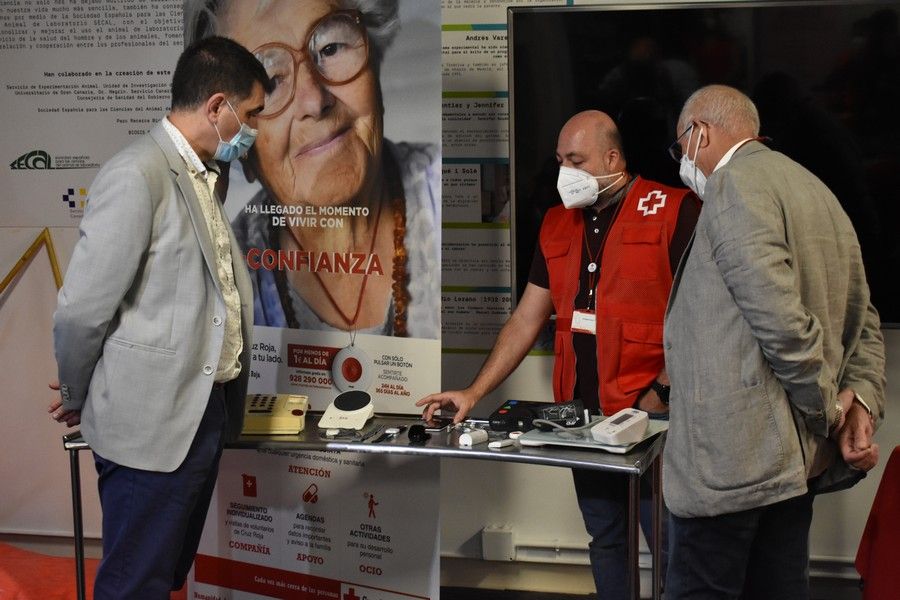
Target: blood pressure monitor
{"type": "Point", "coordinates": [625, 427]}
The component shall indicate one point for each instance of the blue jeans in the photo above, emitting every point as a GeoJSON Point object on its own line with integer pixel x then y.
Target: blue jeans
{"type": "Point", "coordinates": [762, 553]}
{"type": "Point", "coordinates": [152, 521]}
{"type": "Point", "coordinates": [603, 499]}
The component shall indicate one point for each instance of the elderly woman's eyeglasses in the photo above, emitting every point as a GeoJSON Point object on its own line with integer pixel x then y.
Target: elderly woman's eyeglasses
{"type": "Point", "coordinates": [337, 49]}
{"type": "Point", "coordinates": [675, 148]}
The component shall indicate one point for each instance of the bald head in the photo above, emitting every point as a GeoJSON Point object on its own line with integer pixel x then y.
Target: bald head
{"type": "Point", "coordinates": [594, 128]}
{"type": "Point", "coordinates": [728, 109]}
{"type": "Point", "coordinates": [590, 141]}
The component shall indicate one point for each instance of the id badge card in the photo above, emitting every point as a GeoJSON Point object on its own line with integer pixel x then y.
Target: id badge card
{"type": "Point", "coordinates": [584, 321]}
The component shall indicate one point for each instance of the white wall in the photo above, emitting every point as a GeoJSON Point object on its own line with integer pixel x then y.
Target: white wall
{"type": "Point", "coordinates": [35, 494]}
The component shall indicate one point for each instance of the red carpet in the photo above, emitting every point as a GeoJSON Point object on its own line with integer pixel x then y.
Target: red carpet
{"type": "Point", "coordinates": [28, 575]}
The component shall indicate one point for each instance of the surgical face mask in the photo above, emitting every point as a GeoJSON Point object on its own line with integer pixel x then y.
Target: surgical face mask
{"type": "Point", "coordinates": [579, 189]}
{"type": "Point", "coordinates": [237, 146]}
{"type": "Point", "coordinates": [690, 173]}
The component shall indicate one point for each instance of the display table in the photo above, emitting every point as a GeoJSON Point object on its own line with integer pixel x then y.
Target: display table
{"type": "Point", "coordinates": [444, 444]}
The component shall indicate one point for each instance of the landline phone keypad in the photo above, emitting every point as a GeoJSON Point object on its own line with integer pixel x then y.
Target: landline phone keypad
{"type": "Point", "coordinates": [262, 404]}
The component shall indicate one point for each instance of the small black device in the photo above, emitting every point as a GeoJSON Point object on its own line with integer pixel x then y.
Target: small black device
{"type": "Point", "coordinates": [662, 391]}
{"type": "Point", "coordinates": [417, 435]}
{"type": "Point", "coordinates": [518, 415]}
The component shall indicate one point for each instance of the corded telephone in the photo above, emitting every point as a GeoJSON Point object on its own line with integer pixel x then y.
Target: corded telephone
{"type": "Point", "coordinates": [274, 414]}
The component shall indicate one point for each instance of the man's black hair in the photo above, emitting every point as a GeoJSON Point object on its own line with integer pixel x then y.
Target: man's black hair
{"type": "Point", "coordinates": [215, 64]}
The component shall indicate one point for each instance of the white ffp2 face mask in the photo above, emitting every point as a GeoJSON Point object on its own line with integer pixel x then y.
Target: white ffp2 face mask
{"type": "Point", "coordinates": [579, 189]}
{"type": "Point", "coordinates": [689, 172]}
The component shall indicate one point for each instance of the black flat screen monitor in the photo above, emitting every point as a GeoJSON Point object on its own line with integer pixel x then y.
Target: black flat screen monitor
{"type": "Point", "coordinates": [825, 76]}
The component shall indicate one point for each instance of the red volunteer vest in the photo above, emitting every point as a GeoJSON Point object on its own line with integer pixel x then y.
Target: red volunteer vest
{"type": "Point", "coordinates": [632, 291]}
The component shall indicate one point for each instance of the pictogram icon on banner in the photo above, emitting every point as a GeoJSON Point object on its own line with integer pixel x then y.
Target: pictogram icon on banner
{"type": "Point", "coordinates": [249, 485]}
{"type": "Point", "coordinates": [311, 494]}
{"type": "Point", "coordinates": [351, 595]}
{"type": "Point", "coordinates": [372, 504]}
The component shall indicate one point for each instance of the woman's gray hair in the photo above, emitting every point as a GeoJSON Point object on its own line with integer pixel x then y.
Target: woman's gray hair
{"type": "Point", "coordinates": [380, 17]}
{"type": "Point", "coordinates": [723, 106]}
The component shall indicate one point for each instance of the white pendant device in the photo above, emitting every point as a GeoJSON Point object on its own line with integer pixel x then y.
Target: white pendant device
{"type": "Point", "coordinates": [352, 369]}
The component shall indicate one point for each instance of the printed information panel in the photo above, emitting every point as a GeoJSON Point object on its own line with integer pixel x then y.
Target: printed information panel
{"type": "Point", "coordinates": [400, 370]}
{"type": "Point", "coordinates": [321, 525]}
{"type": "Point", "coordinates": [79, 81]}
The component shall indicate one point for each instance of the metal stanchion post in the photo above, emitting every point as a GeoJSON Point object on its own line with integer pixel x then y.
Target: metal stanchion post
{"type": "Point", "coordinates": [73, 443]}
{"type": "Point", "coordinates": [656, 469]}
{"type": "Point", "coordinates": [634, 512]}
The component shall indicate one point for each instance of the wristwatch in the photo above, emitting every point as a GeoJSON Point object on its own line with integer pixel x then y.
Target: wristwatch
{"type": "Point", "coordinates": [838, 415]}
{"type": "Point", "coordinates": [662, 391]}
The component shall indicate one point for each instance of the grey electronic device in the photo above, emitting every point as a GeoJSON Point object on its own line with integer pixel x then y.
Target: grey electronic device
{"type": "Point", "coordinates": [624, 427]}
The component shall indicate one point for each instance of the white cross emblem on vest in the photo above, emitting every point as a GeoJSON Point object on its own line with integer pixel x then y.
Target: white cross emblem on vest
{"type": "Point", "coordinates": [652, 202]}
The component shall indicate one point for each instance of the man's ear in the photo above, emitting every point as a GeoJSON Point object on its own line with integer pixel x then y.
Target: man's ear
{"type": "Point", "coordinates": [704, 139]}
{"type": "Point", "coordinates": [613, 156]}
{"type": "Point", "coordinates": [214, 105]}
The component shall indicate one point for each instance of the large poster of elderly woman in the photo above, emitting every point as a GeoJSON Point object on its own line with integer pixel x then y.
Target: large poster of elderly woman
{"type": "Point", "coordinates": [337, 205]}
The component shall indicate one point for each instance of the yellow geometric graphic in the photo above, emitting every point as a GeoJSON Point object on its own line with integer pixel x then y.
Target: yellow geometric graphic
{"type": "Point", "coordinates": [43, 239]}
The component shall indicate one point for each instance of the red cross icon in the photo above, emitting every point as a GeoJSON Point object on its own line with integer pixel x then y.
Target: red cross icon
{"type": "Point", "coordinates": [652, 202]}
{"type": "Point", "coordinates": [351, 595]}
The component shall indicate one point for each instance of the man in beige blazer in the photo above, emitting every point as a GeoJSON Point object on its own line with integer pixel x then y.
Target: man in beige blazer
{"type": "Point", "coordinates": [775, 356]}
{"type": "Point", "coordinates": [152, 331]}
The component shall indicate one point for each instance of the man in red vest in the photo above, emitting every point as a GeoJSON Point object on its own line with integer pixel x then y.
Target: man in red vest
{"type": "Point", "coordinates": [604, 265]}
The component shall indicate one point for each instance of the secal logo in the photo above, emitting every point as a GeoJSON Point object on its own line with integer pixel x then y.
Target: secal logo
{"type": "Point", "coordinates": [36, 159]}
